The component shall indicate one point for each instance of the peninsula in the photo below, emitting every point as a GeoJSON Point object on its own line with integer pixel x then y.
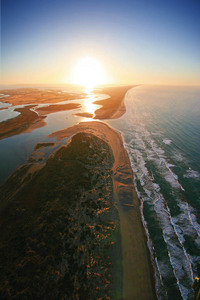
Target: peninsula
{"type": "Point", "coordinates": [75, 217]}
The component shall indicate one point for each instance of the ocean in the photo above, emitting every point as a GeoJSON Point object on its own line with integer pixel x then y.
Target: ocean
{"type": "Point", "coordinates": [161, 132]}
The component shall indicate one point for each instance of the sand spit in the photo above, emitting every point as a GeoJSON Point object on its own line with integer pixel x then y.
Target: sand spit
{"type": "Point", "coordinates": [138, 282]}
{"type": "Point", "coordinates": [113, 107]}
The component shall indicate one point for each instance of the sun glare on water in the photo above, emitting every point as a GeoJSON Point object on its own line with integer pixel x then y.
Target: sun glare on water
{"type": "Point", "coordinates": [88, 73]}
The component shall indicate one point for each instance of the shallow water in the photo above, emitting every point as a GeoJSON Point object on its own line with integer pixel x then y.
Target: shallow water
{"type": "Point", "coordinates": [161, 131]}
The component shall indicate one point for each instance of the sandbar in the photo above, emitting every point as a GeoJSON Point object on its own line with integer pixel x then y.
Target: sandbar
{"type": "Point", "coordinates": [85, 115]}
{"type": "Point", "coordinates": [138, 278]}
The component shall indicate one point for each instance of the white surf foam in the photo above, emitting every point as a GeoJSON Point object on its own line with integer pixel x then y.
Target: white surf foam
{"type": "Point", "coordinates": [179, 258]}
{"type": "Point", "coordinates": [167, 141]}
{"type": "Point", "coordinates": [192, 174]}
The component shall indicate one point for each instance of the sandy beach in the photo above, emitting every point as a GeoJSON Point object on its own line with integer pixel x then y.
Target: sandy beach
{"type": "Point", "coordinates": [138, 282]}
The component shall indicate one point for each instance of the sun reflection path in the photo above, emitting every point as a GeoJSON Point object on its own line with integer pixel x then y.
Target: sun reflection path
{"type": "Point", "coordinates": [88, 105]}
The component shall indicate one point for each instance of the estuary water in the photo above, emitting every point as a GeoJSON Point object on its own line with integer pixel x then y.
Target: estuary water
{"type": "Point", "coordinates": [161, 131]}
{"type": "Point", "coordinates": [15, 150]}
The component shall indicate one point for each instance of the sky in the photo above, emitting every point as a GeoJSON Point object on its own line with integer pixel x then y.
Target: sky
{"type": "Point", "coordinates": [136, 41]}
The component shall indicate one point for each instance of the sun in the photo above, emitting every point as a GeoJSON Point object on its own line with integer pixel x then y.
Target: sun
{"type": "Point", "coordinates": [88, 72]}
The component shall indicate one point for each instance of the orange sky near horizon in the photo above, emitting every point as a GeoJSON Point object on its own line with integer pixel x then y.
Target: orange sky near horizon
{"type": "Point", "coordinates": [134, 42]}
{"type": "Point", "coordinates": [113, 74]}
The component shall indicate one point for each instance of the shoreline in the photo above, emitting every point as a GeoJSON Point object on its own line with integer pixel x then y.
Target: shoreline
{"type": "Point", "coordinates": [137, 266]}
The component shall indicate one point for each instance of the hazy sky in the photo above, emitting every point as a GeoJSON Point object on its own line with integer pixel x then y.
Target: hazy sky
{"type": "Point", "coordinates": [136, 41]}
